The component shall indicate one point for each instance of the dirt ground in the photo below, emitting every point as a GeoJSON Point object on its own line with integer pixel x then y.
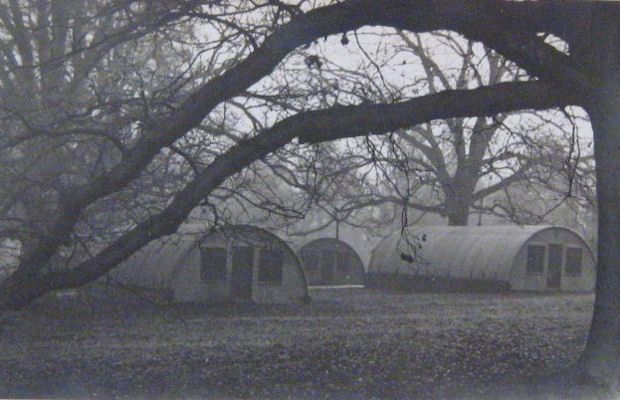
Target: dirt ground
{"type": "Point", "coordinates": [346, 344]}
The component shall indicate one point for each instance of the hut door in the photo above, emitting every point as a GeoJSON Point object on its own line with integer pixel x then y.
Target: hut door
{"type": "Point", "coordinates": [554, 266]}
{"type": "Point", "coordinates": [343, 268]}
{"type": "Point", "coordinates": [328, 263]}
{"type": "Point", "coordinates": [241, 278]}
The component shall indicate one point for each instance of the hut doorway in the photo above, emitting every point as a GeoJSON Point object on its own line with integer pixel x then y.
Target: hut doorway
{"type": "Point", "coordinates": [331, 261]}
{"type": "Point", "coordinates": [554, 266]}
{"type": "Point", "coordinates": [328, 264]}
{"type": "Point", "coordinates": [241, 277]}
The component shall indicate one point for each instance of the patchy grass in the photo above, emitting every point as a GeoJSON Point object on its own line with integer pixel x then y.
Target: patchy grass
{"type": "Point", "coordinates": [348, 343]}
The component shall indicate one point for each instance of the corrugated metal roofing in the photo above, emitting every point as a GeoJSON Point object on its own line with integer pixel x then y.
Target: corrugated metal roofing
{"type": "Point", "coordinates": [454, 251]}
{"type": "Point", "coordinates": [156, 264]}
{"type": "Point", "coordinates": [330, 244]}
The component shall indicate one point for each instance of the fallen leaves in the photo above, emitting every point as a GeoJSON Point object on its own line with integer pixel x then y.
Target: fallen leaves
{"type": "Point", "coordinates": [351, 344]}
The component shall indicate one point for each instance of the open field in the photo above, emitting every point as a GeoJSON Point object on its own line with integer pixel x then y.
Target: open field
{"type": "Point", "coordinates": [348, 343]}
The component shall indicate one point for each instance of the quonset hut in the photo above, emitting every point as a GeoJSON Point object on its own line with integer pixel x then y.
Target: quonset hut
{"type": "Point", "coordinates": [330, 261]}
{"type": "Point", "coordinates": [488, 258]}
{"type": "Point", "coordinates": [235, 263]}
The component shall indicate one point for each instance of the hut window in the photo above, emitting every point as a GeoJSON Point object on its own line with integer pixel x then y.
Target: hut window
{"type": "Point", "coordinates": [270, 266]}
{"type": "Point", "coordinates": [574, 257]}
{"type": "Point", "coordinates": [212, 264]}
{"type": "Point", "coordinates": [535, 260]}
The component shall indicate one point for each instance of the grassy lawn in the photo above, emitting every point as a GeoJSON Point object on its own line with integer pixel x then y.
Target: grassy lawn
{"type": "Point", "coordinates": [348, 343]}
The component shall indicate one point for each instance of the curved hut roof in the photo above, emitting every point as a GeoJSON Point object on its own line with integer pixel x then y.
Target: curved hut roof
{"type": "Point", "coordinates": [156, 264]}
{"type": "Point", "coordinates": [328, 242]}
{"type": "Point", "coordinates": [458, 251]}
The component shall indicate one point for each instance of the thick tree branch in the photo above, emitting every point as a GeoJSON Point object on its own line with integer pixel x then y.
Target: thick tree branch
{"type": "Point", "coordinates": [498, 30]}
{"type": "Point", "coordinates": [352, 121]}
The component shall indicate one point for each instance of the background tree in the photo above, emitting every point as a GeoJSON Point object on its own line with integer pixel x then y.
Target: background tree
{"type": "Point", "coordinates": [443, 167]}
{"type": "Point", "coordinates": [89, 77]}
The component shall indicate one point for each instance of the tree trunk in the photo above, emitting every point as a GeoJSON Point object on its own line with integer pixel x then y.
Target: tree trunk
{"type": "Point", "coordinates": [601, 358]}
{"type": "Point", "coordinates": [459, 200]}
{"type": "Point", "coordinates": [598, 50]}
{"type": "Point", "coordinates": [458, 214]}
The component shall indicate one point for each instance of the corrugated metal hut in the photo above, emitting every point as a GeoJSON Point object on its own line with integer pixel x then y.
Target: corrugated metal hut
{"type": "Point", "coordinates": [329, 261]}
{"type": "Point", "coordinates": [481, 258]}
{"type": "Point", "coordinates": [234, 263]}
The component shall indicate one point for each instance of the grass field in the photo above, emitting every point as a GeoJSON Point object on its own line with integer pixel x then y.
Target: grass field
{"type": "Point", "coordinates": [348, 343]}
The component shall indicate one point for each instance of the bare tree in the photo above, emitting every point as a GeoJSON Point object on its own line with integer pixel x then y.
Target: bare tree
{"type": "Point", "coordinates": [447, 167]}
{"type": "Point", "coordinates": [81, 80]}
{"type": "Point", "coordinates": [442, 167]}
